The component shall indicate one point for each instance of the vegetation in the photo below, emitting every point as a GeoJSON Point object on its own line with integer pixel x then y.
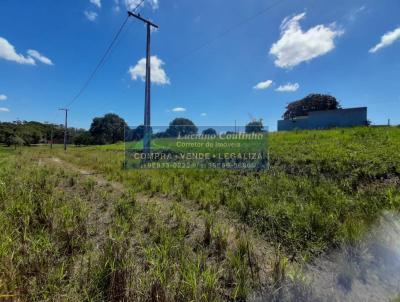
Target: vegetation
{"type": "Point", "coordinates": [254, 126]}
{"type": "Point", "coordinates": [312, 102]}
{"type": "Point", "coordinates": [181, 126]}
{"type": "Point", "coordinates": [31, 133]}
{"type": "Point", "coordinates": [108, 129]}
{"type": "Point", "coordinates": [323, 188]}
{"type": "Point", "coordinates": [65, 236]}
{"type": "Point", "coordinates": [197, 235]}
{"type": "Point", "coordinates": [209, 131]}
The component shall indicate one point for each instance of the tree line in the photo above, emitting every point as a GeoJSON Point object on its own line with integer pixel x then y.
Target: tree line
{"type": "Point", "coordinates": [33, 133]}
{"type": "Point", "coordinates": [108, 129]}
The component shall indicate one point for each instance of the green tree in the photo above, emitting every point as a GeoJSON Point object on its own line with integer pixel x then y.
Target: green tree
{"type": "Point", "coordinates": [209, 131]}
{"type": "Point", "coordinates": [181, 126]}
{"type": "Point", "coordinates": [254, 126]}
{"type": "Point", "coordinates": [15, 141]}
{"type": "Point", "coordinates": [83, 138]}
{"type": "Point", "coordinates": [108, 129]}
{"type": "Point", "coordinates": [138, 133]}
{"type": "Point", "coordinates": [312, 102]}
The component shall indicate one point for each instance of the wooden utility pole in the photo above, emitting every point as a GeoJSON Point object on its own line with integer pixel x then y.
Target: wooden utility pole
{"type": "Point", "coordinates": [147, 107]}
{"type": "Point", "coordinates": [65, 127]}
{"type": "Point", "coordinates": [51, 136]}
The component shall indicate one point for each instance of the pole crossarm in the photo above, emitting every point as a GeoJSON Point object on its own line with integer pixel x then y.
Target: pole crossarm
{"type": "Point", "coordinates": [137, 16]}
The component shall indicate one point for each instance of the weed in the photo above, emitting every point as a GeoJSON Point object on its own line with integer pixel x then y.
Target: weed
{"type": "Point", "coordinates": [209, 220]}
{"type": "Point", "coordinates": [220, 238]}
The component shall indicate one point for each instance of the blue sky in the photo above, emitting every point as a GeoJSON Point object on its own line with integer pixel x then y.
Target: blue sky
{"type": "Point", "coordinates": [215, 61]}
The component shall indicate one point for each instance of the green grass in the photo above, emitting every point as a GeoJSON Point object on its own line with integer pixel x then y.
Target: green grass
{"type": "Point", "coordinates": [42, 231]}
{"type": "Point", "coordinates": [323, 189]}
{"type": "Point", "coordinates": [55, 247]}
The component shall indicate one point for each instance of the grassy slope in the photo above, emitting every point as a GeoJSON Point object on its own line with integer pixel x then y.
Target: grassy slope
{"type": "Point", "coordinates": [65, 236]}
{"type": "Point", "coordinates": [323, 188]}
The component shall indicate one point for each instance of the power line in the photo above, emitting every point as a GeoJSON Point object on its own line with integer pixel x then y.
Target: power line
{"type": "Point", "coordinates": [205, 44]}
{"type": "Point", "coordinates": [227, 31]}
{"type": "Point", "coordinates": [137, 6]}
{"type": "Point", "coordinates": [102, 60]}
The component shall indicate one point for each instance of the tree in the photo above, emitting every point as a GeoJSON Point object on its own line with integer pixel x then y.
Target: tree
{"type": "Point", "coordinates": [14, 140]}
{"type": "Point", "coordinates": [34, 132]}
{"type": "Point", "coordinates": [108, 129]}
{"type": "Point", "coordinates": [181, 126]}
{"type": "Point", "coordinates": [254, 126]}
{"type": "Point", "coordinates": [138, 133]}
{"type": "Point", "coordinates": [83, 138]}
{"type": "Point", "coordinates": [209, 131]}
{"type": "Point", "coordinates": [312, 102]}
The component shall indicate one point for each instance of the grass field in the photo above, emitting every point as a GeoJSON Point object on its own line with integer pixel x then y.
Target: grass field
{"type": "Point", "coordinates": [187, 235]}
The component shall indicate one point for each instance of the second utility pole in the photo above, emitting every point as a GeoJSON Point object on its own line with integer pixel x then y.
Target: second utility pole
{"type": "Point", "coordinates": [147, 121]}
{"type": "Point", "coordinates": [65, 127]}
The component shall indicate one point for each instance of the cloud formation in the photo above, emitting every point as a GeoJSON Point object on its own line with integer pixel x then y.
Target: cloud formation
{"type": "Point", "coordinates": [116, 6]}
{"type": "Point", "coordinates": [3, 97]}
{"type": "Point", "coordinates": [263, 85]}
{"type": "Point", "coordinates": [203, 114]}
{"type": "Point", "coordinates": [296, 46]}
{"type": "Point", "coordinates": [3, 109]}
{"type": "Point", "coordinates": [289, 87]}
{"type": "Point", "coordinates": [354, 14]}
{"type": "Point", "coordinates": [179, 109]}
{"type": "Point", "coordinates": [38, 56]}
{"type": "Point", "coordinates": [91, 16]}
{"type": "Point", "coordinates": [158, 74]}
{"type": "Point", "coordinates": [7, 52]}
{"type": "Point", "coordinates": [96, 2]}
{"type": "Point", "coordinates": [132, 4]}
{"type": "Point", "coordinates": [387, 39]}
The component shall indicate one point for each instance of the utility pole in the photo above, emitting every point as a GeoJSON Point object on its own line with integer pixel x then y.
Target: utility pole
{"type": "Point", "coordinates": [65, 127]}
{"type": "Point", "coordinates": [147, 121]}
{"type": "Point", "coordinates": [51, 137]}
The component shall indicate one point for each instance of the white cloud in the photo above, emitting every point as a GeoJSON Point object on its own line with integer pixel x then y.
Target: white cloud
{"type": "Point", "coordinates": [354, 14]}
{"type": "Point", "coordinates": [158, 74]}
{"type": "Point", "coordinates": [203, 114]}
{"type": "Point", "coordinates": [386, 40]}
{"type": "Point", "coordinates": [38, 56]}
{"type": "Point", "coordinates": [116, 6]}
{"type": "Point", "coordinates": [96, 2]}
{"type": "Point", "coordinates": [132, 4]}
{"type": "Point", "coordinates": [7, 52]}
{"type": "Point", "coordinates": [91, 16]}
{"type": "Point", "coordinates": [263, 85]}
{"type": "Point", "coordinates": [3, 97]}
{"type": "Point", "coordinates": [289, 87]}
{"type": "Point", "coordinates": [2, 109]}
{"type": "Point", "coordinates": [296, 46]}
{"type": "Point", "coordinates": [179, 109]}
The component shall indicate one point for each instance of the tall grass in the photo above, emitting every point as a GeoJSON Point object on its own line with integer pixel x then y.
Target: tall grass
{"type": "Point", "coordinates": [52, 247]}
{"type": "Point", "coordinates": [323, 187]}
